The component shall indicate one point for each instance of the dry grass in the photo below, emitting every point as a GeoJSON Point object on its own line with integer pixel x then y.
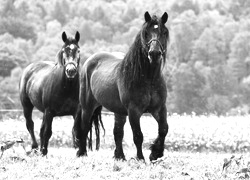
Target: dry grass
{"type": "Point", "coordinates": [62, 164]}
{"type": "Point", "coordinates": [196, 148]}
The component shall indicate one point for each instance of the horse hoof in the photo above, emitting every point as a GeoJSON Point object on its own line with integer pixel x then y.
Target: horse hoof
{"type": "Point", "coordinates": [137, 160]}
{"type": "Point", "coordinates": [80, 153]}
{"type": "Point", "coordinates": [34, 146]}
{"type": "Point", "coordinates": [120, 158]}
{"type": "Point", "coordinates": [154, 157]}
{"type": "Point", "coordinates": [44, 151]}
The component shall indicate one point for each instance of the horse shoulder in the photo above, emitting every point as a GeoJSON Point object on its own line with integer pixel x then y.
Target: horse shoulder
{"type": "Point", "coordinates": [37, 82]}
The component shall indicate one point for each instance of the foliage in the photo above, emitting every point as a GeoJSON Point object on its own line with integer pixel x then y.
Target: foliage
{"type": "Point", "coordinates": [208, 55]}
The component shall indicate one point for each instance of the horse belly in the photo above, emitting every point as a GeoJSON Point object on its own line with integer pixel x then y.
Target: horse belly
{"type": "Point", "coordinates": [106, 93]}
{"type": "Point", "coordinates": [113, 104]}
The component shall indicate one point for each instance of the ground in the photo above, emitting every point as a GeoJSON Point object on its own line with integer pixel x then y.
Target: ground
{"type": "Point", "coordinates": [197, 147]}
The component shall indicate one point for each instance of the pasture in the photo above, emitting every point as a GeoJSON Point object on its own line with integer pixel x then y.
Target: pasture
{"type": "Point", "coordinates": [196, 147]}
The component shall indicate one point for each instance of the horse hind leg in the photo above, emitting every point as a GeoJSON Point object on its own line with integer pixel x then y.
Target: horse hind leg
{"type": "Point", "coordinates": [157, 148]}
{"type": "Point", "coordinates": [118, 135]}
{"type": "Point", "coordinates": [27, 111]}
{"type": "Point", "coordinates": [81, 128]}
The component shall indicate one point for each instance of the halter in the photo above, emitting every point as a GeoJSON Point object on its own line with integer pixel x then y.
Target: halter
{"type": "Point", "coordinates": [72, 62]}
{"type": "Point", "coordinates": [75, 64]}
{"type": "Point", "coordinates": [161, 47]}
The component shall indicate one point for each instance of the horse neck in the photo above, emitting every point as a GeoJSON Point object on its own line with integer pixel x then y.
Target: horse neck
{"type": "Point", "coordinates": [136, 67]}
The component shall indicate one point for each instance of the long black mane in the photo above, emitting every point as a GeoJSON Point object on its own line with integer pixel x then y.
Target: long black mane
{"type": "Point", "coordinates": [135, 65]}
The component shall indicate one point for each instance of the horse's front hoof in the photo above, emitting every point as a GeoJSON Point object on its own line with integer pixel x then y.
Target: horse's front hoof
{"type": "Point", "coordinates": [136, 159]}
{"type": "Point", "coordinates": [34, 146]}
{"type": "Point", "coordinates": [44, 151]}
{"type": "Point", "coordinates": [140, 158]}
{"type": "Point", "coordinates": [154, 157]}
{"type": "Point", "coordinates": [120, 158]}
{"type": "Point", "coordinates": [81, 153]}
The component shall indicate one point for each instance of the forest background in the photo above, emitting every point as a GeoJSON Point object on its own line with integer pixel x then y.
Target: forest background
{"type": "Point", "coordinates": [208, 61]}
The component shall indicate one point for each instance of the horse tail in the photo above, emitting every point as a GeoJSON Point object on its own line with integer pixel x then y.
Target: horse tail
{"type": "Point", "coordinates": [96, 120]}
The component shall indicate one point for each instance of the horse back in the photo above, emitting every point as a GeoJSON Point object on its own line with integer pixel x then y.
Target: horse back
{"type": "Point", "coordinates": [99, 81]}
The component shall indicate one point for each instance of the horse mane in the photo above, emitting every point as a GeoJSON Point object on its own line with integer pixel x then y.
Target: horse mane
{"type": "Point", "coordinates": [131, 64]}
{"type": "Point", "coordinates": [135, 64]}
{"type": "Point", "coordinates": [59, 58]}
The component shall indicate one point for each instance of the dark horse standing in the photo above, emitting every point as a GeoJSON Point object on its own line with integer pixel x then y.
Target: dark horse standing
{"type": "Point", "coordinates": [128, 86]}
{"type": "Point", "coordinates": [53, 88]}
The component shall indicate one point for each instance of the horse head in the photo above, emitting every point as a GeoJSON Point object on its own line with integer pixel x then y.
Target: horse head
{"type": "Point", "coordinates": [69, 55]}
{"type": "Point", "coordinates": [154, 37]}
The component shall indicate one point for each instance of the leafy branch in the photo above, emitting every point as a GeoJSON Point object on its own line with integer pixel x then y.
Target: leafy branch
{"type": "Point", "coordinates": [9, 144]}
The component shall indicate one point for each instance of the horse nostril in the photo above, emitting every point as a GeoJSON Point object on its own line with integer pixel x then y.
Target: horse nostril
{"type": "Point", "coordinates": [71, 72]}
{"type": "Point", "coordinates": [154, 54]}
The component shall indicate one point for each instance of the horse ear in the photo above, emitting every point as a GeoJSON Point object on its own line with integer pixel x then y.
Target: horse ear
{"type": "Point", "coordinates": [77, 36]}
{"type": "Point", "coordinates": [64, 36]}
{"type": "Point", "coordinates": [147, 16]}
{"type": "Point", "coordinates": [164, 18]}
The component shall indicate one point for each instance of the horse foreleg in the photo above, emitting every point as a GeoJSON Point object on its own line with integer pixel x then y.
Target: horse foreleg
{"type": "Point", "coordinates": [46, 131]}
{"type": "Point", "coordinates": [157, 148]}
{"type": "Point", "coordinates": [118, 135]}
{"type": "Point", "coordinates": [134, 119]}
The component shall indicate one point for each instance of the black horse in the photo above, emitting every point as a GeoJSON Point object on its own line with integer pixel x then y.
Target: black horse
{"type": "Point", "coordinates": [128, 86]}
{"type": "Point", "coordinates": [53, 88]}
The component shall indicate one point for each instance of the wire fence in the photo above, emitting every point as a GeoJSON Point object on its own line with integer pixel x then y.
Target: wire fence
{"type": "Point", "coordinates": [14, 113]}
{"type": "Point", "coordinates": [20, 111]}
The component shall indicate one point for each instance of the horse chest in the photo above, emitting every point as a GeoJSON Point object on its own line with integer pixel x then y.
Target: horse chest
{"type": "Point", "coordinates": [155, 98]}
{"type": "Point", "coordinates": [63, 102]}
{"type": "Point", "coordinates": [66, 107]}
{"type": "Point", "coordinates": [147, 97]}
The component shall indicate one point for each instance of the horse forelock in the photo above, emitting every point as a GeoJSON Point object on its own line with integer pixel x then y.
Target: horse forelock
{"type": "Point", "coordinates": [70, 41]}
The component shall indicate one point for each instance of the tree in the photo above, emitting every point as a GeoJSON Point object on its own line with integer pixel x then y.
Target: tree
{"type": "Point", "coordinates": [240, 55]}
{"type": "Point", "coordinates": [210, 47]}
{"type": "Point", "coordinates": [184, 32]}
{"type": "Point", "coordinates": [11, 56]}
{"type": "Point", "coordinates": [59, 13]}
{"type": "Point", "coordinates": [184, 5]}
{"type": "Point", "coordinates": [188, 85]}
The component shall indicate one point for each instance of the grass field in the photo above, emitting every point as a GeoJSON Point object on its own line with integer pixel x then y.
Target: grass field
{"type": "Point", "coordinates": [196, 148]}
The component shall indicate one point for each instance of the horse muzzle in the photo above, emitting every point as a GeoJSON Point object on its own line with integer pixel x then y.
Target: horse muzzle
{"type": "Point", "coordinates": [154, 56]}
{"type": "Point", "coordinates": [71, 70]}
